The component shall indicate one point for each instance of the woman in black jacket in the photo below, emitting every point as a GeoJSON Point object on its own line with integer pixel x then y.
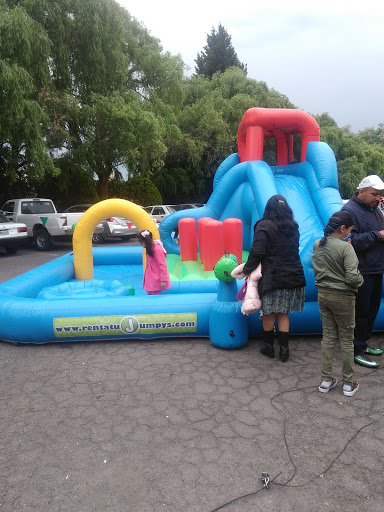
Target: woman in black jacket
{"type": "Point", "coordinates": [281, 288]}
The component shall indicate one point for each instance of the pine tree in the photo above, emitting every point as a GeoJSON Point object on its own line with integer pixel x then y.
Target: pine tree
{"type": "Point", "coordinates": [218, 54]}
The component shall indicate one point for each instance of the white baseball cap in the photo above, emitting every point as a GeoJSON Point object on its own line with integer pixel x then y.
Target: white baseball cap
{"type": "Point", "coordinates": [371, 181]}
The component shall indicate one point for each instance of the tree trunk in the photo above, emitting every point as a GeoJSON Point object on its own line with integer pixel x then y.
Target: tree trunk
{"type": "Point", "coordinates": [102, 186]}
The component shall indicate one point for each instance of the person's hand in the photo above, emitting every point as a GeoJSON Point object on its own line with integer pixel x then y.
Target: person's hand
{"type": "Point", "coordinates": [349, 241]}
{"type": "Point", "coordinates": [382, 235]}
{"type": "Point", "coordinates": [163, 284]}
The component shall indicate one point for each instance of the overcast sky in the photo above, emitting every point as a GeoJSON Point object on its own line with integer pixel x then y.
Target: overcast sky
{"type": "Point", "coordinates": [327, 57]}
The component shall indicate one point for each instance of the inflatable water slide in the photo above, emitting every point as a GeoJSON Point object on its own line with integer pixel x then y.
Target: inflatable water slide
{"type": "Point", "coordinates": [95, 293]}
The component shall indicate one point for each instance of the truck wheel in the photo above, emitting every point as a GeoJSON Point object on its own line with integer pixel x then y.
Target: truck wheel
{"type": "Point", "coordinates": [97, 238]}
{"type": "Point", "coordinates": [42, 240]}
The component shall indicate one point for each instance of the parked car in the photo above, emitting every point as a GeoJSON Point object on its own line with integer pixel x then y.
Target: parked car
{"type": "Point", "coordinates": [12, 234]}
{"type": "Point", "coordinates": [44, 223]}
{"type": "Point", "coordinates": [187, 206]}
{"type": "Point", "coordinates": [112, 226]}
{"type": "Point", "coordinates": [159, 211]}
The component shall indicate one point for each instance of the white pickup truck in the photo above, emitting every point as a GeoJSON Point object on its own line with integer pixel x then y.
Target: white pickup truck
{"type": "Point", "coordinates": [42, 220]}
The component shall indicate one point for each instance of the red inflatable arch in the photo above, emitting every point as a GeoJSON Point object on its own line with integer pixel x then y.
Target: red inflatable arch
{"type": "Point", "coordinates": [262, 123]}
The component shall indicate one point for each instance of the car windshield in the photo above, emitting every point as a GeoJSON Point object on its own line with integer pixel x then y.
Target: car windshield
{"type": "Point", "coordinates": [3, 219]}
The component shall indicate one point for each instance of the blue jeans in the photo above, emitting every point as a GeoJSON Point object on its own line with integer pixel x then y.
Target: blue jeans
{"type": "Point", "coordinates": [367, 306]}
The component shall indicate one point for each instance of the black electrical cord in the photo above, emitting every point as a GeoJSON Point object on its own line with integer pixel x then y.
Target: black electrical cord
{"type": "Point", "coordinates": [244, 496]}
{"type": "Point", "coordinates": [286, 484]}
{"type": "Point", "coordinates": [335, 459]}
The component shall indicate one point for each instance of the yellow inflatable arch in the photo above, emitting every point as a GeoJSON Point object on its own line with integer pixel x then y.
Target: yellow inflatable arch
{"type": "Point", "coordinates": [82, 237]}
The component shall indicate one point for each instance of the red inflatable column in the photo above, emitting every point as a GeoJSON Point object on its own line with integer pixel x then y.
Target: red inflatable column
{"type": "Point", "coordinates": [188, 239]}
{"type": "Point", "coordinates": [213, 243]}
{"type": "Point", "coordinates": [254, 143]}
{"type": "Point", "coordinates": [200, 229]}
{"type": "Point", "coordinates": [233, 237]}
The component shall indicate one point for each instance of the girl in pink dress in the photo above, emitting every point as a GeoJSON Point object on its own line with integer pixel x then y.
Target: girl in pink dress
{"type": "Point", "coordinates": [156, 277]}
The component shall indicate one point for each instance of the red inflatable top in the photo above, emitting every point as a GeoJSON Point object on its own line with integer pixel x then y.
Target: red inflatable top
{"type": "Point", "coordinates": [281, 123]}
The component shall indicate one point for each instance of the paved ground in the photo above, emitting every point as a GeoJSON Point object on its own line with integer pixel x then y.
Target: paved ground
{"type": "Point", "coordinates": [180, 426]}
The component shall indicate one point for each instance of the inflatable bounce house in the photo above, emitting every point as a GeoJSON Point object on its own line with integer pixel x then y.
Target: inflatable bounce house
{"type": "Point", "coordinates": [95, 293]}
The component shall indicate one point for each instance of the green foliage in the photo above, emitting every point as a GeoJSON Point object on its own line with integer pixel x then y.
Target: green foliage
{"type": "Point", "coordinates": [355, 157]}
{"type": "Point", "coordinates": [208, 122]}
{"type": "Point", "coordinates": [351, 172]}
{"type": "Point", "coordinates": [23, 70]}
{"type": "Point", "coordinates": [25, 43]}
{"type": "Point", "coordinates": [107, 94]}
{"type": "Point", "coordinates": [324, 120]}
{"type": "Point", "coordinates": [120, 131]}
{"type": "Point", "coordinates": [85, 90]}
{"type": "Point", "coordinates": [73, 185]}
{"type": "Point", "coordinates": [218, 54]}
{"type": "Point", "coordinates": [139, 190]}
{"type": "Point", "coordinates": [373, 136]}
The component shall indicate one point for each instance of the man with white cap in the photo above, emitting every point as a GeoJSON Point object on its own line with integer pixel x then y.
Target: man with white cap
{"type": "Point", "coordinates": [368, 242]}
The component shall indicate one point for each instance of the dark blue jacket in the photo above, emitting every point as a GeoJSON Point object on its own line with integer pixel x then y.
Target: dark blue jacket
{"type": "Point", "coordinates": [366, 238]}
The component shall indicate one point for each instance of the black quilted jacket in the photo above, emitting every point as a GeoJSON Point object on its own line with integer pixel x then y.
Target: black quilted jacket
{"type": "Point", "coordinates": [278, 254]}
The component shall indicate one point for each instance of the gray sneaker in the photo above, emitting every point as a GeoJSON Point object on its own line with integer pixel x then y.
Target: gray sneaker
{"type": "Point", "coordinates": [324, 389]}
{"type": "Point", "coordinates": [350, 390]}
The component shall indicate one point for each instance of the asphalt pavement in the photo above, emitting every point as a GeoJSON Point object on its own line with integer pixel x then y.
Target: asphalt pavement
{"type": "Point", "coordinates": [180, 426]}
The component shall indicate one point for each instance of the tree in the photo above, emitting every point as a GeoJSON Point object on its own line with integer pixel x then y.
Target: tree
{"type": "Point", "coordinates": [138, 189]}
{"type": "Point", "coordinates": [24, 70]}
{"type": "Point", "coordinates": [218, 54]}
{"type": "Point", "coordinates": [120, 131]}
{"type": "Point", "coordinates": [373, 135]}
{"type": "Point", "coordinates": [325, 119]}
{"type": "Point", "coordinates": [208, 123]}
{"type": "Point", "coordinates": [85, 89]}
{"type": "Point", "coordinates": [355, 157]}
{"type": "Point", "coordinates": [113, 92]}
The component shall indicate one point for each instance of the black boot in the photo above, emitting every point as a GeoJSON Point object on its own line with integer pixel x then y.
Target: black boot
{"type": "Point", "coordinates": [267, 349]}
{"type": "Point", "coordinates": [283, 342]}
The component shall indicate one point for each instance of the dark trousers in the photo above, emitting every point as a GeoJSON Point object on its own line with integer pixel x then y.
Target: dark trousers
{"type": "Point", "coordinates": [367, 306]}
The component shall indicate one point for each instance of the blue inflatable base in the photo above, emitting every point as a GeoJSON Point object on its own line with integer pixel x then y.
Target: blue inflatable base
{"type": "Point", "coordinates": [26, 317]}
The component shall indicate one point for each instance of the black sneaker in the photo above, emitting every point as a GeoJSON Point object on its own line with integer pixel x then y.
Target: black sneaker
{"type": "Point", "coordinates": [364, 360]}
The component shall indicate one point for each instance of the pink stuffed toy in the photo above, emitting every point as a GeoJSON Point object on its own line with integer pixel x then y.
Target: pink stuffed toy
{"type": "Point", "coordinates": [251, 301]}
